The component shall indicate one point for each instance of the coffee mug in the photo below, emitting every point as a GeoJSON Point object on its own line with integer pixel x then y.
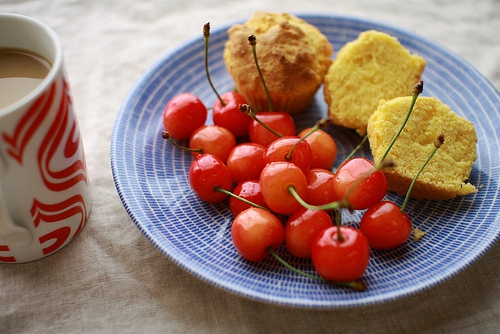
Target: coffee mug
{"type": "Point", "coordinates": [44, 187]}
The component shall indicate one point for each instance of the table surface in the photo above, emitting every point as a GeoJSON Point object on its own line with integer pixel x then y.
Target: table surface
{"type": "Point", "coordinates": [111, 278]}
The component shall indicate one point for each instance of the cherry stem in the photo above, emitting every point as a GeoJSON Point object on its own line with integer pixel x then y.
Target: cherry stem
{"type": "Point", "coordinates": [337, 205]}
{"type": "Point", "coordinates": [417, 90]}
{"type": "Point", "coordinates": [358, 286]}
{"type": "Point", "coordinates": [224, 191]}
{"type": "Point", "coordinates": [437, 144]}
{"type": "Point", "coordinates": [252, 40]}
{"type": "Point", "coordinates": [320, 124]}
{"type": "Point", "coordinates": [329, 206]}
{"type": "Point", "coordinates": [356, 149]}
{"type": "Point", "coordinates": [245, 108]}
{"type": "Point", "coordinates": [167, 136]}
{"type": "Point", "coordinates": [338, 223]}
{"type": "Point", "coordinates": [206, 36]}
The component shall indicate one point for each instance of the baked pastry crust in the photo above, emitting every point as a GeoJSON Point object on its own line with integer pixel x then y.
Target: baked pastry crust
{"type": "Point", "coordinates": [293, 56]}
{"type": "Point", "coordinates": [447, 172]}
{"type": "Point", "coordinates": [374, 66]}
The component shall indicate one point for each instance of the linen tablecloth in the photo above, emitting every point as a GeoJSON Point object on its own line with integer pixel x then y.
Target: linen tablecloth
{"type": "Point", "coordinates": [112, 279]}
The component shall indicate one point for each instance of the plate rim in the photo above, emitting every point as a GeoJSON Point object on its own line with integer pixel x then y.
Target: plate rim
{"type": "Point", "coordinates": [114, 158]}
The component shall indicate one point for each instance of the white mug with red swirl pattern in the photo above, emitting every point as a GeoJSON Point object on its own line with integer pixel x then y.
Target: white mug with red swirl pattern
{"type": "Point", "coordinates": [44, 187]}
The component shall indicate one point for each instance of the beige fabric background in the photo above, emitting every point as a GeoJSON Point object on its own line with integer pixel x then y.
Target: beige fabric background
{"type": "Point", "coordinates": [112, 279]}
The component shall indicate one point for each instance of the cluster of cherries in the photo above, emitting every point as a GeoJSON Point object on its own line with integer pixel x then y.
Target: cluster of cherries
{"type": "Point", "coordinates": [281, 186]}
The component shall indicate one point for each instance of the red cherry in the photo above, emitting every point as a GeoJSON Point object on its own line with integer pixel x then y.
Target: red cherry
{"type": "Point", "coordinates": [254, 231]}
{"type": "Point", "coordinates": [229, 115]}
{"type": "Point", "coordinates": [281, 150]}
{"type": "Point", "coordinates": [361, 195]}
{"type": "Point", "coordinates": [385, 226]}
{"type": "Point", "coordinates": [183, 114]}
{"type": "Point", "coordinates": [206, 173]}
{"type": "Point", "coordinates": [249, 190]}
{"type": "Point", "coordinates": [225, 111]}
{"type": "Point", "coordinates": [212, 139]}
{"type": "Point", "coordinates": [275, 180]}
{"type": "Point", "coordinates": [279, 121]}
{"type": "Point", "coordinates": [302, 228]}
{"type": "Point", "coordinates": [340, 260]}
{"type": "Point", "coordinates": [320, 186]}
{"type": "Point", "coordinates": [245, 162]}
{"type": "Point", "coordinates": [323, 147]}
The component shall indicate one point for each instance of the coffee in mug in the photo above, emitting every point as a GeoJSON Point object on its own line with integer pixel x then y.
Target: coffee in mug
{"type": "Point", "coordinates": [20, 72]}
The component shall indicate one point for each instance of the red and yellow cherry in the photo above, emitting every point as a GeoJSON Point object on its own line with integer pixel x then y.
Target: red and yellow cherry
{"type": "Point", "coordinates": [212, 139]}
{"type": "Point", "coordinates": [225, 111]}
{"type": "Point", "coordinates": [385, 226]}
{"type": "Point", "coordinates": [275, 180]}
{"type": "Point", "coordinates": [290, 149]}
{"type": "Point", "coordinates": [245, 162]}
{"type": "Point", "coordinates": [250, 191]}
{"type": "Point", "coordinates": [320, 186]}
{"type": "Point", "coordinates": [302, 229]}
{"type": "Point", "coordinates": [323, 147]}
{"type": "Point", "coordinates": [342, 258]}
{"type": "Point", "coordinates": [254, 231]}
{"type": "Point", "coordinates": [229, 116]}
{"type": "Point", "coordinates": [281, 122]}
{"type": "Point", "coordinates": [183, 114]}
{"type": "Point", "coordinates": [357, 181]}
{"type": "Point", "coordinates": [207, 173]}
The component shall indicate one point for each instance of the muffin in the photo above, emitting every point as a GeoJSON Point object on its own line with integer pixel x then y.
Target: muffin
{"type": "Point", "coordinates": [447, 172]}
{"type": "Point", "coordinates": [374, 66]}
{"type": "Point", "coordinates": [293, 56]}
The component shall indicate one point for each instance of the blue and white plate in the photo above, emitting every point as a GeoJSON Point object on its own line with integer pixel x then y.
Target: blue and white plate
{"type": "Point", "coordinates": [151, 177]}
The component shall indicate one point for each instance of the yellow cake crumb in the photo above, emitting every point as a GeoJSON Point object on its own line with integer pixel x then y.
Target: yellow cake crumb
{"type": "Point", "coordinates": [418, 234]}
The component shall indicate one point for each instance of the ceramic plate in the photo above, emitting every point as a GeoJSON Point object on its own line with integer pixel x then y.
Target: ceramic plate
{"type": "Point", "coordinates": [151, 178]}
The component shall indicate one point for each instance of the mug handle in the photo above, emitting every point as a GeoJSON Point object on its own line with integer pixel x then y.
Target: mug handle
{"type": "Point", "coordinates": [10, 232]}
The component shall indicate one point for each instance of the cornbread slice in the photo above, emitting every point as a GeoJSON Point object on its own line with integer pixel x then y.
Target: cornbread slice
{"type": "Point", "coordinates": [446, 174]}
{"type": "Point", "coordinates": [293, 56]}
{"type": "Point", "coordinates": [374, 66]}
